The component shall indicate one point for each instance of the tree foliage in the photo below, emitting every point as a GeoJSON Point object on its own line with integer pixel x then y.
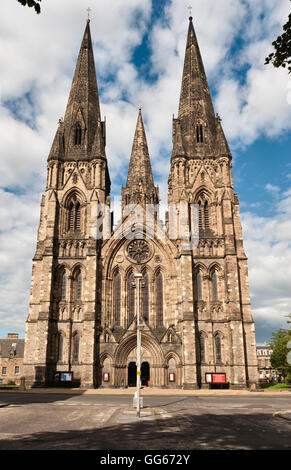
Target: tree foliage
{"type": "Point", "coordinates": [282, 55]}
{"type": "Point", "coordinates": [32, 4]}
{"type": "Point", "coordinates": [278, 344]}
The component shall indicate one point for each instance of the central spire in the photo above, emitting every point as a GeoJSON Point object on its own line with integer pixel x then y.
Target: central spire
{"type": "Point", "coordinates": [140, 186]}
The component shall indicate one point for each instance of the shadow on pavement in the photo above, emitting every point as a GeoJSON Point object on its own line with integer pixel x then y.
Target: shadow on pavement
{"type": "Point", "coordinates": [25, 398]}
{"type": "Point", "coordinates": [187, 432]}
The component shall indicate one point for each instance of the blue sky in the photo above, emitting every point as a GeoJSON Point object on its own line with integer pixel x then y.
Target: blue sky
{"type": "Point", "coordinates": [139, 50]}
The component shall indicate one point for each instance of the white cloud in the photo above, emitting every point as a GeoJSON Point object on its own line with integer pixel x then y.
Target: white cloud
{"type": "Point", "coordinates": [268, 247]}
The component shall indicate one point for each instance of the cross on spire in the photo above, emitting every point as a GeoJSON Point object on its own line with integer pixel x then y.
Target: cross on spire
{"type": "Point", "coordinates": [89, 10]}
{"type": "Point", "coordinates": [190, 10]}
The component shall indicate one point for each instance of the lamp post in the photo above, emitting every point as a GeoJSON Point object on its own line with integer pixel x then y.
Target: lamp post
{"type": "Point", "coordinates": [138, 277]}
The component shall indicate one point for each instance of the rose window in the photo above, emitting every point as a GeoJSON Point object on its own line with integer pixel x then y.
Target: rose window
{"type": "Point", "coordinates": [138, 250]}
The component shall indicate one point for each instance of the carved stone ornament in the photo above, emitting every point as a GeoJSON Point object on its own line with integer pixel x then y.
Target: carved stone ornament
{"type": "Point", "coordinates": [138, 250]}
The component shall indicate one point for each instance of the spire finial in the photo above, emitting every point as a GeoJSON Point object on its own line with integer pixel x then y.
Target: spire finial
{"type": "Point", "coordinates": [190, 12]}
{"type": "Point", "coordinates": [88, 10]}
{"type": "Point", "coordinates": [140, 107]}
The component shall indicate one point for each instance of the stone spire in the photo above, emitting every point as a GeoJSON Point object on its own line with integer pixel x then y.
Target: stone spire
{"type": "Point", "coordinates": [196, 114]}
{"type": "Point", "coordinates": [140, 183]}
{"type": "Point", "coordinates": [83, 117]}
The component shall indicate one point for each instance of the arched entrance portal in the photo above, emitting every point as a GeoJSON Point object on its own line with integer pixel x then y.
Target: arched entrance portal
{"type": "Point", "coordinates": [152, 362]}
{"type": "Point", "coordinates": [131, 380]}
{"type": "Point", "coordinates": [145, 374]}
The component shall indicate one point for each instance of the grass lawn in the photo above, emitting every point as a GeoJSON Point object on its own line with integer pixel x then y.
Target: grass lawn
{"type": "Point", "coordinates": [275, 386]}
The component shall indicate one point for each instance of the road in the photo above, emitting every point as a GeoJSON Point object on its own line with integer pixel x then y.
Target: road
{"type": "Point", "coordinates": [65, 421]}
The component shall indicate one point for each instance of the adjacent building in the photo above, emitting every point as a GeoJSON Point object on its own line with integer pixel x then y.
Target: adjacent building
{"type": "Point", "coordinates": [193, 299]}
{"type": "Point", "coordinates": [11, 359]}
{"type": "Point", "coordinates": [266, 371]}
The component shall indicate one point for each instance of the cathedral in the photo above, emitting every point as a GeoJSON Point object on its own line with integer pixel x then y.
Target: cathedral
{"type": "Point", "coordinates": [182, 282]}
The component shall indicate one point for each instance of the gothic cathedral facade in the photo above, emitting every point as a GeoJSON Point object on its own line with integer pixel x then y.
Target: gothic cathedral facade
{"type": "Point", "coordinates": [193, 298]}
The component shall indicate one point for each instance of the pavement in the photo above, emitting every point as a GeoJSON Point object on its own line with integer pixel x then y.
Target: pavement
{"type": "Point", "coordinates": [152, 391]}
{"type": "Point", "coordinates": [99, 419]}
{"type": "Point", "coordinates": [149, 414]}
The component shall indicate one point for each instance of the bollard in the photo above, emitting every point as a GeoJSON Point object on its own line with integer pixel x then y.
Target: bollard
{"type": "Point", "coordinates": [22, 384]}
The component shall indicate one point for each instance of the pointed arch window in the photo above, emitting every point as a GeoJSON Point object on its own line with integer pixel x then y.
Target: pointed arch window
{"type": "Point", "coordinates": [214, 285]}
{"type": "Point", "coordinates": [145, 297]}
{"type": "Point", "coordinates": [78, 134]}
{"type": "Point", "coordinates": [218, 348]}
{"type": "Point", "coordinates": [116, 297]}
{"type": "Point", "coordinates": [206, 215]}
{"type": "Point", "coordinates": [131, 297]}
{"type": "Point", "coordinates": [63, 286]}
{"type": "Point", "coordinates": [199, 133]}
{"type": "Point", "coordinates": [202, 347]}
{"type": "Point", "coordinates": [159, 299]}
{"type": "Point", "coordinates": [79, 286]}
{"type": "Point", "coordinates": [203, 213]}
{"type": "Point", "coordinates": [198, 285]}
{"type": "Point", "coordinates": [74, 214]}
{"type": "Point", "coordinates": [76, 344]}
{"type": "Point", "coordinates": [60, 345]}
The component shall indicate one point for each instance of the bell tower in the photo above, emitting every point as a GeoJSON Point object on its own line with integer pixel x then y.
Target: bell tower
{"type": "Point", "coordinates": [220, 332]}
{"type": "Point", "coordinates": [64, 313]}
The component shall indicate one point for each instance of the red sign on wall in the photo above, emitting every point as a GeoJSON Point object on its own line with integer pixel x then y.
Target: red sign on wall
{"type": "Point", "coordinates": [215, 378]}
{"type": "Point", "coordinates": [171, 377]}
{"type": "Point", "coordinates": [218, 378]}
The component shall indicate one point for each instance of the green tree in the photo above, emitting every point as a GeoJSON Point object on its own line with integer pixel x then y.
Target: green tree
{"type": "Point", "coordinates": [32, 4]}
{"type": "Point", "coordinates": [278, 344]}
{"type": "Point", "coordinates": [282, 55]}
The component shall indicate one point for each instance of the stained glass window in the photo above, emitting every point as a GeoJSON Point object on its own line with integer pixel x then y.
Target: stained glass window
{"type": "Point", "coordinates": [131, 297]}
{"type": "Point", "coordinates": [116, 297]}
{"type": "Point", "coordinates": [218, 348]}
{"type": "Point", "coordinates": [76, 343]}
{"type": "Point", "coordinates": [79, 286]}
{"type": "Point", "coordinates": [63, 286]}
{"type": "Point", "coordinates": [214, 286]}
{"type": "Point", "coordinates": [159, 299]}
{"type": "Point", "coordinates": [60, 347]}
{"type": "Point", "coordinates": [202, 348]}
{"type": "Point", "coordinates": [198, 286]}
{"type": "Point", "coordinates": [145, 297]}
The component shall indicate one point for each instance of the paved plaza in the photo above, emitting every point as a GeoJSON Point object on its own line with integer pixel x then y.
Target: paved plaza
{"type": "Point", "coordinates": [106, 420]}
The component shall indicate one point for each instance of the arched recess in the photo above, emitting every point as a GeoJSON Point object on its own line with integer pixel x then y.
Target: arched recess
{"type": "Point", "coordinates": [60, 346]}
{"type": "Point", "coordinates": [73, 211]}
{"type": "Point", "coordinates": [173, 377]}
{"type": "Point", "coordinates": [77, 283]}
{"type": "Point", "coordinates": [75, 348]}
{"type": "Point", "coordinates": [159, 298]}
{"type": "Point", "coordinates": [106, 361]}
{"type": "Point", "coordinates": [215, 288]}
{"type": "Point", "coordinates": [204, 199]}
{"type": "Point", "coordinates": [218, 338]}
{"type": "Point", "coordinates": [145, 295]}
{"type": "Point", "coordinates": [116, 297]}
{"type": "Point", "coordinates": [152, 349]}
{"type": "Point", "coordinates": [199, 274]}
{"type": "Point", "coordinates": [202, 347]}
{"type": "Point", "coordinates": [130, 294]}
{"type": "Point", "coordinates": [60, 291]}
